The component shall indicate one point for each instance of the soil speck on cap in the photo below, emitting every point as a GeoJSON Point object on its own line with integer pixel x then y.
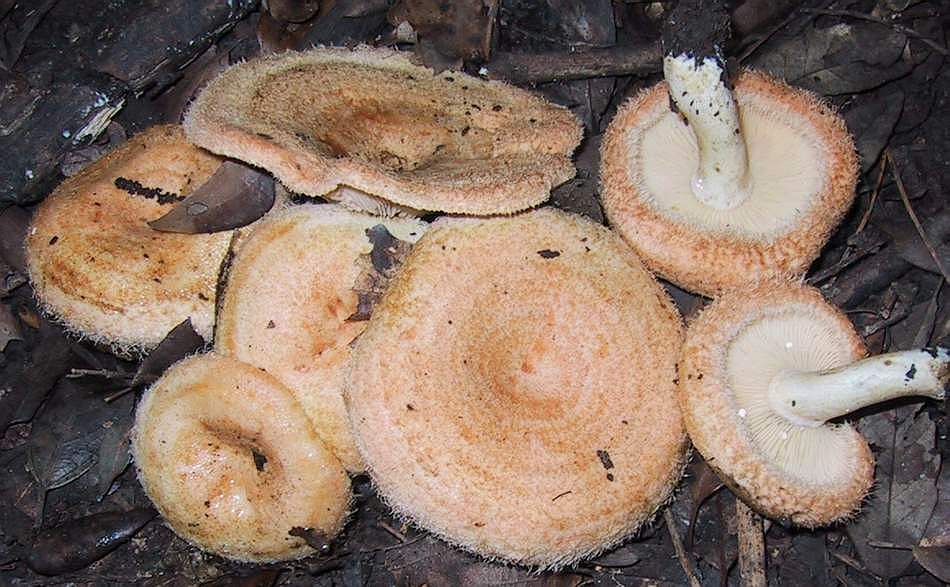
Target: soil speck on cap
{"type": "Point", "coordinates": [259, 460]}
{"type": "Point", "coordinates": [911, 372]}
{"type": "Point", "coordinates": [549, 254]}
{"type": "Point", "coordinates": [604, 457]}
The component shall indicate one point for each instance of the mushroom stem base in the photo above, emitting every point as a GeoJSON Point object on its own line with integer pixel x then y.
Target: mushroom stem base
{"type": "Point", "coordinates": [812, 398]}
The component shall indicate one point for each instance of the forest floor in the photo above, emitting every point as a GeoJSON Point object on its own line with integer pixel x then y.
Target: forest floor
{"type": "Point", "coordinates": [80, 77]}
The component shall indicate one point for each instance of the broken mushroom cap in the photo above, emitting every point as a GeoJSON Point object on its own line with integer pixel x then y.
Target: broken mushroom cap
{"type": "Point", "coordinates": [761, 373]}
{"type": "Point", "coordinates": [290, 302]}
{"type": "Point", "coordinates": [513, 392]}
{"type": "Point", "coordinates": [97, 266]}
{"type": "Point", "coordinates": [371, 120]}
{"type": "Point", "coordinates": [749, 190]}
{"type": "Point", "coordinates": [232, 463]}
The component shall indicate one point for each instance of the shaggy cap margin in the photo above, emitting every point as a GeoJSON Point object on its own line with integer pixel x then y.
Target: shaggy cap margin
{"type": "Point", "coordinates": [232, 463]}
{"type": "Point", "coordinates": [96, 265]}
{"type": "Point", "coordinates": [440, 142]}
{"type": "Point", "coordinates": [540, 440]}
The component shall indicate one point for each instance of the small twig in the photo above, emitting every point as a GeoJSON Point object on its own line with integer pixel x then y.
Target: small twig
{"type": "Point", "coordinates": [913, 216]}
{"type": "Point", "coordinates": [687, 563]}
{"type": "Point", "coordinates": [395, 533]}
{"type": "Point", "coordinates": [112, 397]}
{"type": "Point", "coordinates": [751, 546]}
{"type": "Point", "coordinates": [591, 63]}
{"type": "Point", "coordinates": [894, 25]}
{"type": "Point", "coordinates": [888, 545]}
{"type": "Point", "coordinates": [874, 195]}
{"type": "Point", "coordinates": [855, 565]}
{"type": "Point", "coordinates": [107, 373]}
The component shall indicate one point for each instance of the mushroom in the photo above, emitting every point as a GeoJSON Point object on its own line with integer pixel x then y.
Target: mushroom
{"type": "Point", "coordinates": [714, 186]}
{"type": "Point", "coordinates": [762, 373]}
{"type": "Point", "coordinates": [97, 266]}
{"type": "Point", "coordinates": [233, 465]}
{"type": "Point", "coordinates": [289, 302]}
{"type": "Point", "coordinates": [371, 120]}
{"type": "Point", "coordinates": [513, 392]}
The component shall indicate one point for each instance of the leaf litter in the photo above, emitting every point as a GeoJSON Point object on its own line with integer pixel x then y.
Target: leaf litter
{"type": "Point", "coordinates": [61, 465]}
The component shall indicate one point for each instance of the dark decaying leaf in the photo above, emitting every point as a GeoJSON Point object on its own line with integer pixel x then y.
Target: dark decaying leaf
{"type": "Point", "coordinates": [113, 455]}
{"type": "Point", "coordinates": [831, 60]}
{"type": "Point", "coordinates": [67, 433]}
{"type": "Point", "coordinates": [934, 555]}
{"type": "Point", "coordinates": [872, 119]}
{"type": "Point", "coordinates": [28, 382]}
{"type": "Point", "coordinates": [81, 542]}
{"type": "Point", "coordinates": [236, 195]}
{"type": "Point", "coordinates": [16, 27]}
{"type": "Point", "coordinates": [376, 269]}
{"type": "Point", "coordinates": [181, 341]}
{"type": "Point", "coordinates": [295, 11]}
{"type": "Point", "coordinates": [314, 538]}
{"type": "Point", "coordinates": [905, 493]}
{"type": "Point", "coordinates": [703, 484]}
{"type": "Point", "coordinates": [9, 327]}
{"type": "Point", "coordinates": [14, 222]}
{"type": "Point", "coordinates": [933, 550]}
{"type": "Point", "coordinates": [456, 30]}
{"type": "Point", "coordinates": [19, 495]}
{"type": "Point", "coordinates": [259, 578]}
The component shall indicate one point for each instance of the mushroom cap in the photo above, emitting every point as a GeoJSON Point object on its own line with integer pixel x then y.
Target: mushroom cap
{"type": "Point", "coordinates": [98, 267]}
{"type": "Point", "coordinates": [738, 344]}
{"type": "Point", "coordinates": [803, 169]}
{"type": "Point", "coordinates": [287, 304]}
{"type": "Point", "coordinates": [513, 392]}
{"type": "Point", "coordinates": [372, 120]}
{"type": "Point", "coordinates": [232, 463]}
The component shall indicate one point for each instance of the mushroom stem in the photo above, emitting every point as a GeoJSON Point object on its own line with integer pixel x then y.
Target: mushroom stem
{"type": "Point", "coordinates": [699, 90]}
{"type": "Point", "coordinates": [812, 398]}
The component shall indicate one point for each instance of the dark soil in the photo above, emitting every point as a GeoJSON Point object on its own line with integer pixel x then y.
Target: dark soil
{"type": "Point", "coordinates": [77, 78]}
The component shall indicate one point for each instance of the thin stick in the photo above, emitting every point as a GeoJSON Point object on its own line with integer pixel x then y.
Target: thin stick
{"type": "Point", "coordinates": [598, 62]}
{"type": "Point", "coordinates": [395, 533]}
{"type": "Point", "coordinates": [751, 547]}
{"type": "Point", "coordinates": [888, 545]}
{"type": "Point", "coordinates": [874, 194]}
{"type": "Point", "coordinates": [894, 25]}
{"type": "Point", "coordinates": [687, 563]}
{"type": "Point", "coordinates": [913, 216]}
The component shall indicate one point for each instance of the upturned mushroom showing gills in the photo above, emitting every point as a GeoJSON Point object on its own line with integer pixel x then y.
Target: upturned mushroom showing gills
{"type": "Point", "coordinates": [371, 120]}
{"type": "Point", "coordinates": [292, 301]}
{"type": "Point", "coordinates": [96, 264]}
{"type": "Point", "coordinates": [717, 186]}
{"type": "Point", "coordinates": [232, 463]}
{"type": "Point", "coordinates": [513, 392]}
{"type": "Point", "coordinates": [762, 373]}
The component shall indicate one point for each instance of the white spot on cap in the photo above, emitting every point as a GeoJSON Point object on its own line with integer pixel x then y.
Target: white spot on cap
{"type": "Point", "coordinates": [788, 345]}
{"type": "Point", "coordinates": [784, 435]}
{"type": "Point", "coordinates": [742, 412]}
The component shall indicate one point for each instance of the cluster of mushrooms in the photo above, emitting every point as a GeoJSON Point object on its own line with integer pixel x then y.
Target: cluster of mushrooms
{"type": "Point", "coordinates": [523, 386]}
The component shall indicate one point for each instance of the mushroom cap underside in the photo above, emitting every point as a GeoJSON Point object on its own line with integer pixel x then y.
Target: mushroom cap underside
{"type": "Point", "coordinates": [803, 170]}
{"type": "Point", "coordinates": [810, 476]}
